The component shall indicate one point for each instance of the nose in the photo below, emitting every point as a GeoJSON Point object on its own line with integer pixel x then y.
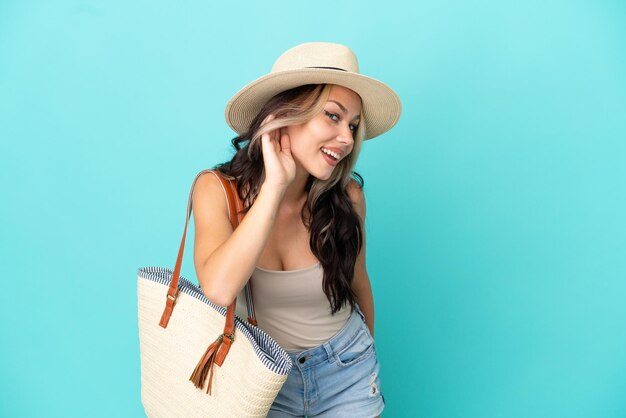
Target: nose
{"type": "Point", "coordinates": [346, 135]}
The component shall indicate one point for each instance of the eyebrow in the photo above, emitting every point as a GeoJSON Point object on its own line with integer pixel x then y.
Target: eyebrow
{"type": "Point", "coordinates": [343, 108]}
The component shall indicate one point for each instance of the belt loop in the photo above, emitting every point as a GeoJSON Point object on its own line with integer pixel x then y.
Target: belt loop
{"type": "Point", "coordinates": [329, 351]}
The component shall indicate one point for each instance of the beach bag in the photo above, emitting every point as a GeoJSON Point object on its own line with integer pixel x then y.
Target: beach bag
{"type": "Point", "coordinates": [188, 343]}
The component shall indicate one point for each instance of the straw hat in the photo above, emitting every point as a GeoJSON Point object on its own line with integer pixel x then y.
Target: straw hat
{"type": "Point", "coordinates": [317, 63]}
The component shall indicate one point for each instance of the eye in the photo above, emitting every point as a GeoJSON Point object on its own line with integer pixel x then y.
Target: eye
{"type": "Point", "coordinates": [353, 128]}
{"type": "Point", "coordinates": [333, 116]}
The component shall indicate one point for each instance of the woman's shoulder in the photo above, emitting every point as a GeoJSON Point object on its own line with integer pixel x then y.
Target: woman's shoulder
{"type": "Point", "coordinates": [208, 181]}
{"type": "Point", "coordinates": [209, 192]}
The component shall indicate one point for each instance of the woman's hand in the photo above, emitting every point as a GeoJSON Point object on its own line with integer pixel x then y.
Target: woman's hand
{"type": "Point", "coordinates": [280, 167]}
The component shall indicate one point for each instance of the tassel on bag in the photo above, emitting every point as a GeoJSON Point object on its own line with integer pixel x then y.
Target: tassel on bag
{"type": "Point", "coordinates": [215, 353]}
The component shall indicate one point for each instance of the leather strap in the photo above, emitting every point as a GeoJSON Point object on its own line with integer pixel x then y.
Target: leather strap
{"type": "Point", "coordinates": [248, 287]}
{"type": "Point", "coordinates": [235, 213]}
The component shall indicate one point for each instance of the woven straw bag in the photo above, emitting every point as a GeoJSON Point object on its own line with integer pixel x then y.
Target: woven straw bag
{"type": "Point", "coordinates": [245, 367]}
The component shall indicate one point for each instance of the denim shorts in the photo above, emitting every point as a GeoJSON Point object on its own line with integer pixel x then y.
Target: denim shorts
{"type": "Point", "coordinates": [336, 379]}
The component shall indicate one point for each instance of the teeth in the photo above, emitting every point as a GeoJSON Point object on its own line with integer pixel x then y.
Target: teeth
{"type": "Point", "coordinates": [332, 154]}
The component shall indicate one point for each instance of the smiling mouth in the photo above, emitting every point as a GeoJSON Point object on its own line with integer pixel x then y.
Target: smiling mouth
{"type": "Point", "coordinates": [332, 154]}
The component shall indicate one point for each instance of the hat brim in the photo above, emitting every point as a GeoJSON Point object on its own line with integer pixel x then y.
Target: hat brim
{"type": "Point", "coordinates": [381, 106]}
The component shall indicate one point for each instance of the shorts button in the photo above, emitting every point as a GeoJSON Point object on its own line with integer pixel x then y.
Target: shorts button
{"type": "Point", "coordinates": [302, 360]}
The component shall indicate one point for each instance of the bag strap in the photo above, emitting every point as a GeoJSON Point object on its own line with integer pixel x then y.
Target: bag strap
{"type": "Point", "coordinates": [235, 213]}
{"type": "Point", "coordinates": [232, 199]}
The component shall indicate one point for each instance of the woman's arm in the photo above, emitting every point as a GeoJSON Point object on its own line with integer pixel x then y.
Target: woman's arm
{"type": "Point", "coordinates": [361, 283]}
{"type": "Point", "coordinates": [225, 259]}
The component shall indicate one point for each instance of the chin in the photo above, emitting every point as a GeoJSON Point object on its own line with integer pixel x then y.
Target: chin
{"type": "Point", "coordinates": [322, 175]}
{"type": "Point", "coordinates": [322, 178]}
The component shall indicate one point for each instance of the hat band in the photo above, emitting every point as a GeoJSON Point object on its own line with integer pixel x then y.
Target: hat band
{"type": "Point", "coordinates": [330, 68]}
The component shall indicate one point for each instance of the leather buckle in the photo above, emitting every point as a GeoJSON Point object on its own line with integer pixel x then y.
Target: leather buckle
{"type": "Point", "coordinates": [173, 298]}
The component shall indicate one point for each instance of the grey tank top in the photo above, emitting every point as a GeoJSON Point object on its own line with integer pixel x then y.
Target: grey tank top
{"type": "Point", "coordinates": [292, 307]}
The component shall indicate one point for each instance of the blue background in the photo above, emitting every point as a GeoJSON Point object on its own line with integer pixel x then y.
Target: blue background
{"type": "Point", "coordinates": [496, 227]}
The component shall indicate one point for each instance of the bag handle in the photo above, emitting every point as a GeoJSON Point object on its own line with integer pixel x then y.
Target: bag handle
{"type": "Point", "coordinates": [234, 205]}
{"type": "Point", "coordinates": [235, 213]}
{"type": "Point", "coordinates": [217, 351]}
{"type": "Point", "coordinates": [232, 199]}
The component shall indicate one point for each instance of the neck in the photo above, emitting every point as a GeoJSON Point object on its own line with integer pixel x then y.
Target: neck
{"type": "Point", "coordinates": [295, 195]}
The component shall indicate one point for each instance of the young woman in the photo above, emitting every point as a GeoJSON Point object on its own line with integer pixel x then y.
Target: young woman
{"type": "Point", "coordinates": [302, 241]}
